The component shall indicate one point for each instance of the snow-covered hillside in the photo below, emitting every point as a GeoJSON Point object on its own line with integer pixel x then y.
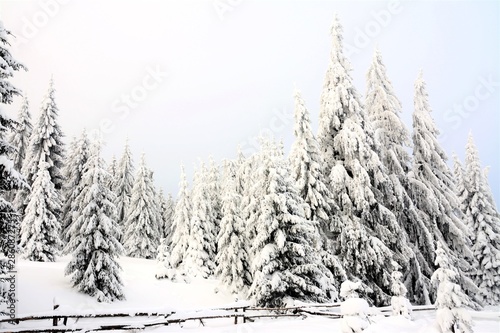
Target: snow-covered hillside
{"type": "Point", "coordinates": [40, 283]}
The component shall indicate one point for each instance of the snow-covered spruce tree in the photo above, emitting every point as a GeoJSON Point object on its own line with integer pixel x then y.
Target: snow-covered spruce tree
{"type": "Point", "coordinates": [245, 185]}
{"type": "Point", "coordinates": [163, 267]}
{"type": "Point", "coordinates": [487, 188]}
{"type": "Point", "coordinates": [157, 207]}
{"type": "Point", "coordinates": [245, 169]}
{"type": "Point", "coordinates": [213, 185]}
{"type": "Point", "coordinates": [124, 181]}
{"type": "Point", "coordinates": [200, 253]}
{"type": "Point", "coordinates": [484, 221]}
{"type": "Point", "coordinates": [285, 264]}
{"type": "Point", "coordinates": [451, 301]}
{"type": "Point", "coordinates": [233, 267]}
{"type": "Point", "coordinates": [10, 178]}
{"type": "Point", "coordinates": [94, 268]}
{"type": "Point", "coordinates": [306, 162]}
{"type": "Point", "coordinates": [434, 189]}
{"type": "Point", "coordinates": [370, 236]}
{"type": "Point", "coordinates": [383, 109]}
{"type": "Point", "coordinates": [40, 229]}
{"type": "Point", "coordinates": [181, 223]}
{"type": "Point", "coordinates": [142, 234]}
{"type": "Point", "coordinates": [113, 170]}
{"type": "Point", "coordinates": [166, 207]}
{"type": "Point", "coordinates": [400, 304]}
{"type": "Point", "coordinates": [354, 310]}
{"type": "Point", "coordinates": [458, 173]}
{"type": "Point", "coordinates": [73, 173]}
{"type": "Point", "coordinates": [20, 137]}
{"type": "Point", "coordinates": [46, 141]}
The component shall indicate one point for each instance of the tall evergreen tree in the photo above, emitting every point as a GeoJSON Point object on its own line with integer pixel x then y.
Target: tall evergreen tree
{"type": "Point", "coordinates": [487, 188]}
{"type": "Point", "coordinates": [306, 164]}
{"type": "Point", "coordinates": [383, 109]}
{"type": "Point", "coordinates": [113, 171]}
{"type": "Point", "coordinates": [46, 143]}
{"type": "Point", "coordinates": [73, 173]}
{"type": "Point", "coordinates": [166, 215]}
{"type": "Point", "coordinates": [285, 263]}
{"type": "Point", "coordinates": [213, 186]}
{"type": "Point", "coordinates": [458, 172]}
{"type": "Point", "coordinates": [10, 178]}
{"type": "Point", "coordinates": [181, 223]}
{"type": "Point", "coordinates": [200, 253]}
{"type": "Point", "coordinates": [370, 236]}
{"type": "Point", "coordinates": [40, 229]}
{"type": "Point", "coordinates": [142, 235]}
{"type": "Point", "coordinates": [124, 181]}
{"type": "Point", "coordinates": [94, 267]}
{"type": "Point", "coordinates": [484, 221]}
{"type": "Point", "coordinates": [433, 183]}
{"type": "Point", "coordinates": [232, 258]}
{"type": "Point", "coordinates": [20, 137]}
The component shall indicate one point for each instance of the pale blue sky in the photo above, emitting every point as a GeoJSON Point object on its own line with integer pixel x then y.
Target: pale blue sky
{"type": "Point", "coordinates": [232, 66]}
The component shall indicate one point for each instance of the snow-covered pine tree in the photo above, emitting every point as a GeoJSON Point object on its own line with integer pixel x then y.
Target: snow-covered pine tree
{"type": "Point", "coordinates": [163, 267]}
{"type": "Point", "coordinates": [73, 173]}
{"type": "Point", "coordinates": [47, 141]}
{"type": "Point", "coordinates": [285, 263]}
{"type": "Point", "coordinates": [383, 109]}
{"type": "Point", "coordinates": [166, 214]}
{"type": "Point", "coordinates": [200, 254]}
{"type": "Point", "coordinates": [244, 169]}
{"type": "Point", "coordinates": [124, 181]}
{"type": "Point", "coordinates": [487, 188]}
{"type": "Point", "coordinates": [354, 310]}
{"type": "Point", "coordinates": [181, 223]}
{"type": "Point", "coordinates": [458, 173]}
{"type": "Point", "coordinates": [400, 304]}
{"type": "Point", "coordinates": [213, 185]}
{"type": "Point", "coordinates": [245, 185]}
{"type": "Point", "coordinates": [306, 162]}
{"type": "Point", "coordinates": [94, 268]}
{"type": "Point", "coordinates": [451, 301]}
{"type": "Point", "coordinates": [10, 178]}
{"type": "Point", "coordinates": [142, 235]}
{"type": "Point", "coordinates": [484, 221]}
{"type": "Point", "coordinates": [20, 137]}
{"type": "Point", "coordinates": [358, 181]}
{"type": "Point", "coordinates": [157, 207]}
{"type": "Point", "coordinates": [434, 189]}
{"type": "Point", "coordinates": [113, 170]}
{"type": "Point", "coordinates": [40, 229]}
{"type": "Point", "coordinates": [233, 267]}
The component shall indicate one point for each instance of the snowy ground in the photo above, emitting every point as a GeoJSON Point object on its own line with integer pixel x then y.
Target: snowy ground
{"type": "Point", "coordinates": [39, 283]}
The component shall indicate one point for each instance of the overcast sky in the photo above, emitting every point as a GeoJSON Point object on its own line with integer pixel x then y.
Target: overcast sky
{"type": "Point", "coordinates": [188, 79]}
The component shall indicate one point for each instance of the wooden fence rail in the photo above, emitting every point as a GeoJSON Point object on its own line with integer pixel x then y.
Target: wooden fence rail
{"type": "Point", "coordinates": [152, 319]}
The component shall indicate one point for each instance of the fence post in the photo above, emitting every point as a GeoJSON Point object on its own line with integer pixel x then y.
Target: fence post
{"type": "Point", "coordinates": [236, 316]}
{"type": "Point", "coordinates": [244, 318]}
{"type": "Point", "coordinates": [55, 319]}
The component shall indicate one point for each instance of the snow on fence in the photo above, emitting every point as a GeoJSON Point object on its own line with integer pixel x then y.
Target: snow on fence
{"type": "Point", "coordinates": [57, 321]}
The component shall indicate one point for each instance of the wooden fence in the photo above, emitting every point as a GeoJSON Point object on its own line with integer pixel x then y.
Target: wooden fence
{"type": "Point", "coordinates": [65, 322]}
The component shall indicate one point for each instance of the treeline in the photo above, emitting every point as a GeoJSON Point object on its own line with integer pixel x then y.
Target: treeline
{"type": "Point", "coordinates": [349, 203]}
